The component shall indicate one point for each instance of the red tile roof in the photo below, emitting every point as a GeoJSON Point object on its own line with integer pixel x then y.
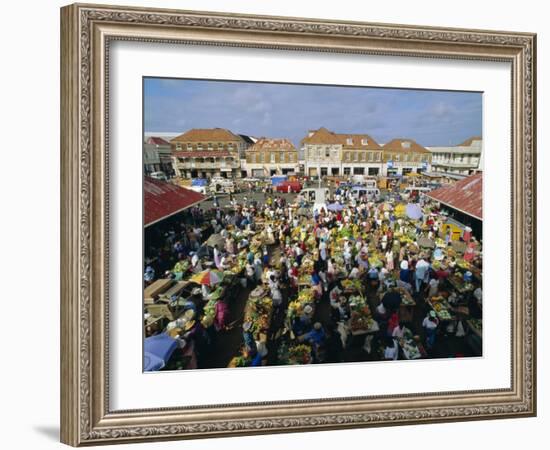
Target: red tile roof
{"type": "Point", "coordinates": [465, 195]}
{"type": "Point", "coordinates": [203, 154]}
{"type": "Point", "coordinates": [163, 199]}
{"type": "Point", "coordinates": [400, 145]}
{"type": "Point", "coordinates": [157, 141]}
{"type": "Point", "coordinates": [272, 144]}
{"type": "Point", "coordinates": [207, 135]}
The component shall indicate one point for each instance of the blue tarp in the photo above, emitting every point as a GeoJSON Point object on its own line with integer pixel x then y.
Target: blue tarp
{"type": "Point", "coordinates": [414, 211]}
{"type": "Point", "coordinates": [157, 349]}
{"type": "Point", "coordinates": [275, 180]}
{"type": "Point", "coordinates": [199, 182]}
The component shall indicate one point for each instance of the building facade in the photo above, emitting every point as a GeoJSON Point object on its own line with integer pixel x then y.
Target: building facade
{"type": "Point", "coordinates": [405, 156]}
{"type": "Point", "coordinates": [271, 157]}
{"type": "Point", "coordinates": [458, 161]}
{"type": "Point", "coordinates": [157, 156]}
{"type": "Point", "coordinates": [209, 152]}
{"type": "Point", "coordinates": [336, 154]}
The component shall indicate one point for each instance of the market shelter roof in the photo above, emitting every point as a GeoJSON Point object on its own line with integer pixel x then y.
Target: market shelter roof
{"type": "Point", "coordinates": [163, 199]}
{"type": "Point", "coordinates": [465, 196]}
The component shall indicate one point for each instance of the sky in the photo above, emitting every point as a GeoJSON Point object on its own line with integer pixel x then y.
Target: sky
{"type": "Point", "coordinates": [273, 110]}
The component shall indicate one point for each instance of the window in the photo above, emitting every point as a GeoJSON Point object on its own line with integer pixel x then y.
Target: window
{"type": "Point", "coordinates": [406, 157]}
{"type": "Point", "coordinates": [397, 156]}
{"type": "Point", "coordinates": [379, 156]}
{"type": "Point", "coordinates": [349, 141]}
{"type": "Point", "coordinates": [199, 146]}
{"type": "Point", "coordinates": [347, 170]}
{"type": "Point", "coordinates": [210, 147]}
{"type": "Point", "coordinates": [363, 156]}
{"type": "Point", "coordinates": [291, 157]}
{"type": "Point", "coordinates": [327, 152]}
{"type": "Point", "coordinates": [406, 144]}
{"type": "Point", "coordinates": [282, 157]}
{"type": "Point", "coordinates": [229, 146]}
{"type": "Point", "coordinates": [370, 156]}
{"type": "Point", "coordinates": [355, 156]}
{"type": "Point", "coordinates": [364, 141]}
{"type": "Point", "coordinates": [220, 147]}
{"type": "Point", "coordinates": [272, 158]}
{"type": "Point", "coordinates": [348, 156]}
{"type": "Point", "coordinates": [189, 147]}
{"type": "Point", "coordinates": [261, 158]}
{"type": "Point", "coordinates": [178, 146]}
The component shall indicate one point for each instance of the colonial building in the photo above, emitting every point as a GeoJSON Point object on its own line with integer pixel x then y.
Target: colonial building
{"type": "Point", "coordinates": [157, 156]}
{"type": "Point", "coordinates": [271, 157]}
{"type": "Point", "coordinates": [337, 154]}
{"type": "Point", "coordinates": [322, 151]}
{"type": "Point", "coordinates": [458, 161]}
{"type": "Point", "coordinates": [361, 155]}
{"type": "Point", "coordinates": [207, 153]}
{"type": "Point", "coordinates": [404, 156]}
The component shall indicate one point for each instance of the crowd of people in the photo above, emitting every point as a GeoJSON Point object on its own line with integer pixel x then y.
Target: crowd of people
{"type": "Point", "coordinates": [334, 279]}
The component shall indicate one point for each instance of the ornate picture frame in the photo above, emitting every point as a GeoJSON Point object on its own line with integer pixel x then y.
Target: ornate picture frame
{"type": "Point", "coordinates": [86, 34]}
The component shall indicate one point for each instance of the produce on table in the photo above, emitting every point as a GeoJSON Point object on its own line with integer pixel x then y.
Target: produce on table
{"type": "Point", "coordinates": [299, 354]}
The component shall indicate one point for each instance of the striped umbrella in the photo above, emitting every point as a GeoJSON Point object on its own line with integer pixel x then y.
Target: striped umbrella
{"type": "Point", "coordinates": [208, 277]}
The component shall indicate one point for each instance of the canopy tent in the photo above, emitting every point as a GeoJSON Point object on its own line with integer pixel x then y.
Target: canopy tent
{"type": "Point", "coordinates": [335, 207]}
{"type": "Point", "coordinates": [163, 199]}
{"type": "Point", "coordinates": [157, 350]}
{"type": "Point", "coordinates": [414, 211]}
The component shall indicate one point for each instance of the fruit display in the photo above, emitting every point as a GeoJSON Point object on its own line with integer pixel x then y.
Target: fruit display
{"type": "Point", "coordinates": [361, 317]}
{"type": "Point", "coordinates": [258, 311]}
{"type": "Point", "coordinates": [299, 354]}
{"type": "Point", "coordinates": [181, 266]}
{"type": "Point", "coordinates": [410, 349]}
{"type": "Point", "coordinates": [376, 260]}
{"type": "Point", "coordinates": [352, 285]}
{"type": "Point", "coordinates": [296, 307]}
{"type": "Point", "coordinates": [209, 312]}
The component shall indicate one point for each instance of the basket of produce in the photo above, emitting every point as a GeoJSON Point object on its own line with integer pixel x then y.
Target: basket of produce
{"type": "Point", "coordinates": [299, 354]}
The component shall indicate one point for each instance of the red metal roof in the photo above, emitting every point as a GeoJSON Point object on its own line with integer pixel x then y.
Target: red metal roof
{"type": "Point", "coordinates": [163, 199]}
{"type": "Point", "coordinates": [465, 195]}
{"type": "Point", "coordinates": [203, 154]}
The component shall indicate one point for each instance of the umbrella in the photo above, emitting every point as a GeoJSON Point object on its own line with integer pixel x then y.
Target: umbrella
{"type": "Point", "coordinates": [157, 351]}
{"type": "Point", "coordinates": [208, 277]}
{"type": "Point", "coordinates": [414, 211]}
{"type": "Point", "coordinates": [392, 299]}
{"type": "Point", "coordinates": [335, 207]}
{"type": "Point", "coordinates": [215, 239]}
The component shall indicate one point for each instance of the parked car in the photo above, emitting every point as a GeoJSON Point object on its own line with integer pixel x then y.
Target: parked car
{"type": "Point", "coordinates": [289, 186]}
{"type": "Point", "coordinates": [159, 176]}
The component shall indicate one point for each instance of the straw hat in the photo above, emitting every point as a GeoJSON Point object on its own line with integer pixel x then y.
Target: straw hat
{"type": "Point", "coordinates": [188, 325]}
{"type": "Point", "coordinates": [175, 332]}
{"type": "Point", "coordinates": [189, 314]}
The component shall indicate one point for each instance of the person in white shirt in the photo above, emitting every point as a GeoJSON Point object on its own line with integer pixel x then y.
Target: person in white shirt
{"type": "Point", "coordinates": [430, 324]}
{"type": "Point", "coordinates": [399, 330]}
{"type": "Point", "coordinates": [391, 351]}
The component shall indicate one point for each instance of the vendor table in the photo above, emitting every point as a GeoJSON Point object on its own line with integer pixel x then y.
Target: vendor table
{"type": "Point", "coordinates": [458, 284]}
{"type": "Point", "coordinates": [406, 309]}
{"type": "Point", "coordinates": [411, 349]}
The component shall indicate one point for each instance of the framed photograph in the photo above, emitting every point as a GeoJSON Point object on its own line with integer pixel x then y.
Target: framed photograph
{"type": "Point", "coordinates": [276, 224]}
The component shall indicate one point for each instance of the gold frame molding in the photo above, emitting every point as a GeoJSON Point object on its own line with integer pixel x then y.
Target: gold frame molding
{"type": "Point", "coordinates": [86, 32]}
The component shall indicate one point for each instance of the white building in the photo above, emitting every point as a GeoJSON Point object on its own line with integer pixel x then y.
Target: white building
{"type": "Point", "coordinates": [157, 156]}
{"type": "Point", "coordinates": [458, 161]}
